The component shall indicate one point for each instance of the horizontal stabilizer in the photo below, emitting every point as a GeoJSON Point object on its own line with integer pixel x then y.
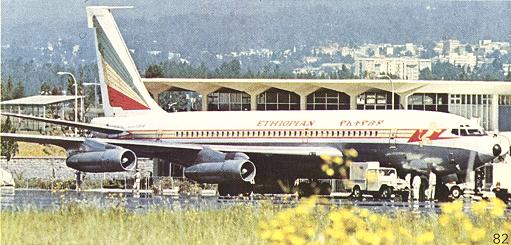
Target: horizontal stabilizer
{"type": "Point", "coordinates": [88, 126]}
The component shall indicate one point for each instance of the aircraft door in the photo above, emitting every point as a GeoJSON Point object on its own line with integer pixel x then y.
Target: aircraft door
{"type": "Point", "coordinates": [392, 138]}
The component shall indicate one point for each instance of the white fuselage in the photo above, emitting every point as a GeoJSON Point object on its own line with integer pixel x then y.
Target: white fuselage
{"type": "Point", "coordinates": [312, 127]}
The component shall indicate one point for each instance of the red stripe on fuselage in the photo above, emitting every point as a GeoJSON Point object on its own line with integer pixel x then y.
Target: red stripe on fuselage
{"type": "Point", "coordinates": [118, 99]}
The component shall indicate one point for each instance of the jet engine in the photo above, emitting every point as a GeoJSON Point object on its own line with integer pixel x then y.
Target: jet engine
{"type": "Point", "coordinates": [232, 171]}
{"type": "Point", "coordinates": [108, 160]}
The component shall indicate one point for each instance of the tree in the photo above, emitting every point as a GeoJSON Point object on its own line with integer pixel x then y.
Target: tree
{"type": "Point", "coordinates": [154, 71]}
{"type": "Point", "coordinates": [426, 74]}
{"type": "Point", "coordinates": [9, 146]}
{"type": "Point", "coordinates": [8, 89]}
{"type": "Point", "coordinates": [19, 90]}
{"type": "Point", "coordinates": [45, 89]}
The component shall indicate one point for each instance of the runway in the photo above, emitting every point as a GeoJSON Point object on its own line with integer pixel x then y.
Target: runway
{"type": "Point", "coordinates": [46, 200]}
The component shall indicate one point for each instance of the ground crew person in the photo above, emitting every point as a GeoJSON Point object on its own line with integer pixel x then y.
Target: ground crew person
{"type": "Point", "coordinates": [136, 185]}
{"type": "Point", "coordinates": [432, 186]}
{"type": "Point", "coordinates": [416, 185]}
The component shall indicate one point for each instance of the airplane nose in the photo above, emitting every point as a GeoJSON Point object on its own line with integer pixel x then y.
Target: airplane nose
{"type": "Point", "coordinates": [497, 150]}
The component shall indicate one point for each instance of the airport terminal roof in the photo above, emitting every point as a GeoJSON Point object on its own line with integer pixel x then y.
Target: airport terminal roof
{"type": "Point", "coordinates": [40, 100]}
{"type": "Point", "coordinates": [307, 86]}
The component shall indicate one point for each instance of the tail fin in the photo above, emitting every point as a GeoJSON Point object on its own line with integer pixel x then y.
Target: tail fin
{"type": "Point", "coordinates": [122, 89]}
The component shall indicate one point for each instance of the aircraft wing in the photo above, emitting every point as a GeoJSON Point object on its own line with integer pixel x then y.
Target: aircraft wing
{"type": "Point", "coordinates": [88, 126]}
{"type": "Point", "coordinates": [178, 152]}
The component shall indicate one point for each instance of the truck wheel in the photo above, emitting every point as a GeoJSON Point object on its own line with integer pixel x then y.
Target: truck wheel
{"type": "Point", "coordinates": [385, 192]}
{"type": "Point", "coordinates": [456, 192]}
{"type": "Point", "coordinates": [304, 190]}
{"type": "Point", "coordinates": [325, 189]}
{"type": "Point", "coordinates": [356, 193]}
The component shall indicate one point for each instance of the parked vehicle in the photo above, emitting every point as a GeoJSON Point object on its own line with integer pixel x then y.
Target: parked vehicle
{"type": "Point", "coordinates": [370, 178]}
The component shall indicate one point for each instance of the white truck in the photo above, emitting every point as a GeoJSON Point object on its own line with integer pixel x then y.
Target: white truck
{"type": "Point", "coordinates": [370, 178]}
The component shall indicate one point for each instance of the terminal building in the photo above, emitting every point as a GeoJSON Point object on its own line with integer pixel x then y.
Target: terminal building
{"type": "Point", "coordinates": [487, 102]}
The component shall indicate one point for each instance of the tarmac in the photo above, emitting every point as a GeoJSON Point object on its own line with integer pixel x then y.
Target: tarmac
{"type": "Point", "coordinates": [22, 199]}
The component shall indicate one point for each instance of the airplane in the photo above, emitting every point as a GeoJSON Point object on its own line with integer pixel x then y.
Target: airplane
{"type": "Point", "coordinates": [244, 151]}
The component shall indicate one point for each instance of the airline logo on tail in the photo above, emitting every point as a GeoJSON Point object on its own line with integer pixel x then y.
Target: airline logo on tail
{"type": "Point", "coordinates": [121, 84]}
{"type": "Point", "coordinates": [121, 89]}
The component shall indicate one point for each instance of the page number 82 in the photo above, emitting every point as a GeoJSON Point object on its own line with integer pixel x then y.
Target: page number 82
{"type": "Point", "coordinates": [500, 238]}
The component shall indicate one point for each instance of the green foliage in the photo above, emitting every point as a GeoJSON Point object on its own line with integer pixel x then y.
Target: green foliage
{"type": "Point", "coordinates": [19, 90]}
{"type": "Point", "coordinates": [78, 223]}
{"type": "Point", "coordinates": [9, 147]}
{"type": "Point", "coordinates": [45, 88]}
{"type": "Point", "coordinates": [7, 89]}
{"type": "Point", "coordinates": [448, 71]}
{"type": "Point", "coordinates": [154, 71]}
{"type": "Point", "coordinates": [233, 69]}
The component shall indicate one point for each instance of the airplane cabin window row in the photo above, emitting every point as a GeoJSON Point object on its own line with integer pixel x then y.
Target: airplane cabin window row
{"type": "Point", "coordinates": [283, 133]}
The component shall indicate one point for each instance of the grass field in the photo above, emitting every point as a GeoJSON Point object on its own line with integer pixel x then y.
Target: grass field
{"type": "Point", "coordinates": [308, 223]}
{"type": "Point", "coordinates": [38, 150]}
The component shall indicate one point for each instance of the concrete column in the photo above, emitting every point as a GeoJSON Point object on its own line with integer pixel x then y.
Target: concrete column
{"type": "Point", "coordinates": [204, 102]}
{"type": "Point", "coordinates": [353, 101]}
{"type": "Point", "coordinates": [303, 101]}
{"type": "Point", "coordinates": [403, 100]}
{"type": "Point", "coordinates": [156, 96]}
{"type": "Point", "coordinates": [44, 116]}
{"type": "Point", "coordinates": [494, 112]}
{"type": "Point", "coordinates": [253, 102]}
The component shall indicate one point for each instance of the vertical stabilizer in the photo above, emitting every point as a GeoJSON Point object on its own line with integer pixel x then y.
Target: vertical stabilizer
{"type": "Point", "coordinates": [122, 90]}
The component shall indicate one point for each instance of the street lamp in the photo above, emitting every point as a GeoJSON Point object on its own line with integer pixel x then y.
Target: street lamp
{"type": "Point", "coordinates": [76, 93]}
{"type": "Point", "coordinates": [392, 86]}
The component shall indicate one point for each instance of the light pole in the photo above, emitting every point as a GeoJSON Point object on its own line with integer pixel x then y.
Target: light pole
{"type": "Point", "coordinates": [392, 87]}
{"type": "Point", "coordinates": [76, 93]}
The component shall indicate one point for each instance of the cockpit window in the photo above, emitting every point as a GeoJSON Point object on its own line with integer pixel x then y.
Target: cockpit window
{"type": "Point", "coordinates": [463, 132]}
{"type": "Point", "coordinates": [455, 131]}
{"type": "Point", "coordinates": [475, 132]}
{"type": "Point", "coordinates": [468, 132]}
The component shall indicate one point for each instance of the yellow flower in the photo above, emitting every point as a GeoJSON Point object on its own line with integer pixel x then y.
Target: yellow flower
{"type": "Point", "coordinates": [289, 229]}
{"type": "Point", "coordinates": [296, 240]}
{"type": "Point", "coordinates": [277, 236]}
{"type": "Point", "coordinates": [479, 208]}
{"type": "Point", "coordinates": [467, 225]}
{"type": "Point", "coordinates": [373, 218]}
{"type": "Point", "coordinates": [337, 160]}
{"type": "Point", "coordinates": [498, 207]}
{"type": "Point", "coordinates": [351, 153]}
{"type": "Point", "coordinates": [477, 234]}
{"type": "Point", "coordinates": [426, 237]}
{"type": "Point", "coordinates": [324, 167]}
{"type": "Point", "coordinates": [325, 157]}
{"type": "Point", "coordinates": [364, 213]}
{"type": "Point", "coordinates": [330, 172]}
{"type": "Point", "coordinates": [443, 220]}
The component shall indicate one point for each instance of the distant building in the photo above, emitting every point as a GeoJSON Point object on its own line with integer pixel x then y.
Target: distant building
{"type": "Point", "coordinates": [403, 68]}
{"type": "Point", "coordinates": [468, 60]}
{"type": "Point", "coordinates": [47, 106]}
{"type": "Point", "coordinates": [506, 68]}
{"type": "Point", "coordinates": [451, 46]}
